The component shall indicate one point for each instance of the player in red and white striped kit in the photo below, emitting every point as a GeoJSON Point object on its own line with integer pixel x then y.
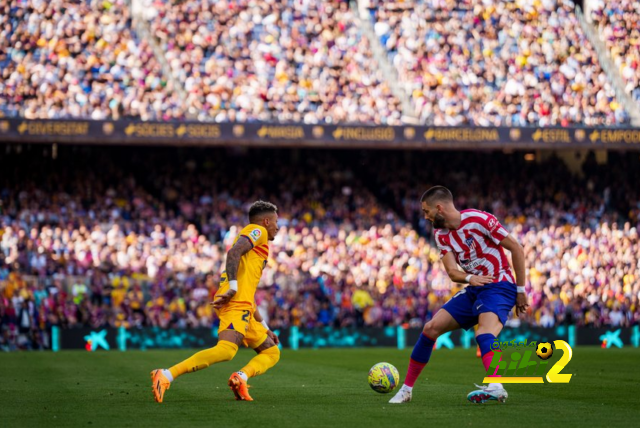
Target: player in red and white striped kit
{"type": "Point", "coordinates": [475, 241]}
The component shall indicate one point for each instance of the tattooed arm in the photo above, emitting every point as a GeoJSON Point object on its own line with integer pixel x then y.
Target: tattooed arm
{"type": "Point", "coordinates": [242, 246]}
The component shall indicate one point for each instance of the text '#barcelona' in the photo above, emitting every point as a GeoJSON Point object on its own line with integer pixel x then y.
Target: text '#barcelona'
{"type": "Point", "coordinates": [462, 134]}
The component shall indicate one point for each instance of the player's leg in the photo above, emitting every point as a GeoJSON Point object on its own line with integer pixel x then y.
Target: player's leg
{"type": "Point", "coordinates": [496, 301]}
{"type": "Point", "coordinates": [224, 350]}
{"type": "Point", "coordinates": [456, 313]}
{"type": "Point", "coordinates": [232, 322]}
{"type": "Point", "coordinates": [268, 356]}
{"type": "Point", "coordinates": [489, 327]}
{"type": "Point", "coordinates": [441, 323]}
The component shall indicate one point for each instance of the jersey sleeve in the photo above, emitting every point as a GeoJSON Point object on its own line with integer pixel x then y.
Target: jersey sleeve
{"type": "Point", "coordinates": [442, 245]}
{"type": "Point", "coordinates": [495, 230]}
{"type": "Point", "coordinates": [257, 235]}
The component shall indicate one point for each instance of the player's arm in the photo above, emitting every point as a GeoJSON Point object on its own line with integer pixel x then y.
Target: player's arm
{"type": "Point", "coordinates": [459, 276]}
{"type": "Point", "coordinates": [517, 258]}
{"type": "Point", "coordinates": [239, 249]}
{"type": "Point", "coordinates": [258, 317]}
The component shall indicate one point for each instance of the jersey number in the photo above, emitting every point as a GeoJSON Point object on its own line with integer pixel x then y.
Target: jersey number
{"type": "Point", "coordinates": [245, 316]}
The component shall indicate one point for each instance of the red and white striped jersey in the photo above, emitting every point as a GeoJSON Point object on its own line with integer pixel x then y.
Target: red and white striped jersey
{"type": "Point", "coordinates": [476, 245]}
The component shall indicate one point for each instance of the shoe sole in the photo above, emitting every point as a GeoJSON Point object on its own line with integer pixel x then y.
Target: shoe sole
{"type": "Point", "coordinates": [482, 397]}
{"type": "Point", "coordinates": [233, 385]}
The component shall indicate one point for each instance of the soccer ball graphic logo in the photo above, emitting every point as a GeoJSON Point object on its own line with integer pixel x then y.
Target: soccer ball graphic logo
{"type": "Point", "coordinates": [383, 378]}
{"type": "Point", "coordinates": [544, 350]}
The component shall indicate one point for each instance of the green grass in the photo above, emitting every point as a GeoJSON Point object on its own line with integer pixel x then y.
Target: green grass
{"type": "Point", "coordinates": [307, 389]}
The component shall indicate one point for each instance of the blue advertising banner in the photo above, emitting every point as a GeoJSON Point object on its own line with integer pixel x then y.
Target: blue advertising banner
{"type": "Point", "coordinates": [328, 337]}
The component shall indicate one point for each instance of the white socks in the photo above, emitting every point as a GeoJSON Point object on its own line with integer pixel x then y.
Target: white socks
{"type": "Point", "coordinates": [243, 376]}
{"type": "Point", "coordinates": [407, 388]}
{"type": "Point", "coordinates": [495, 386]}
{"type": "Point", "coordinates": [167, 374]}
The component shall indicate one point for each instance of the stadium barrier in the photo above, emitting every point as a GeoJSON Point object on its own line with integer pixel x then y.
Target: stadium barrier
{"type": "Point", "coordinates": [293, 135]}
{"type": "Point", "coordinates": [327, 337]}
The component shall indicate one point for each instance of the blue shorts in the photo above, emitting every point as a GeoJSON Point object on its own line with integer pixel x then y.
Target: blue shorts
{"type": "Point", "coordinates": [467, 305]}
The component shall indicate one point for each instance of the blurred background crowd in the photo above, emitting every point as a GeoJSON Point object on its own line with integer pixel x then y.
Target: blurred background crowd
{"type": "Point", "coordinates": [137, 237]}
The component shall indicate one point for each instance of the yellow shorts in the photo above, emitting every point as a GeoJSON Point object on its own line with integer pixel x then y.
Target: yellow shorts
{"type": "Point", "coordinates": [242, 321]}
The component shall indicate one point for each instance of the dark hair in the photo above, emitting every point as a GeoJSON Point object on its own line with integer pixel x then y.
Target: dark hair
{"type": "Point", "coordinates": [261, 207]}
{"type": "Point", "coordinates": [437, 194]}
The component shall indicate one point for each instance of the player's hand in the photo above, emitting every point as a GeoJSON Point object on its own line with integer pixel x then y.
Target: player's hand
{"type": "Point", "coordinates": [223, 299]}
{"type": "Point", "coordinates": [479, 280]}
{"type": "Point", "coordinates": [273, 337]}
{"type": "Point", "coordinates": [521, 304]}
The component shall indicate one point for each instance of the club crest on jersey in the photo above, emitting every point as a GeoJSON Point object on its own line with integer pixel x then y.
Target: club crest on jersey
{"type": "Point", "coordinates": [470, 243]}
{"type": "Point", "coordinates": [255, 234]}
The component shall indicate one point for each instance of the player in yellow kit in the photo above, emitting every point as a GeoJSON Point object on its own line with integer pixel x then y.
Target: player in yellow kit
{"type": "Point", "coordinates": [240, 322]}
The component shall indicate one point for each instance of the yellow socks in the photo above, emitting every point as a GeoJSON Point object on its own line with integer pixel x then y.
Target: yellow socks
{"type": "Point", "coordinates": [223, 351]}
{"type": "Point", "coordinates": [262, 362]}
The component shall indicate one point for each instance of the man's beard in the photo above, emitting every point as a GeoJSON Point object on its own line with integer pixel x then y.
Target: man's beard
{"type": "Point", "coordinates": [438, 221]}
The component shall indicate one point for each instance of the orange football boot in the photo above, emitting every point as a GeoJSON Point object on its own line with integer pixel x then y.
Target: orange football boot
{"type": "Point", "coordinates": [239, 387]}
{"type": "Point", "coordinates": [159, 384]}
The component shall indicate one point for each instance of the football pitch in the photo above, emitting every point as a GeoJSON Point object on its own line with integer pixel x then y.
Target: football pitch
{"type": "Point", "coordinates": [308, 388]}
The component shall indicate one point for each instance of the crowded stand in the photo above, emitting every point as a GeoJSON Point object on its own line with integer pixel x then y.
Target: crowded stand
{"type": "Point", "coordinates": [496, 63]}
{"type": "Point", "coordinates": [141, 240]}
{"type": "Point", "coordinates": [619, 28]}
{"type": "Point", "coordinates": [63, 59]}
{"type": "Point", "coordinates": [469, 62]}
{"type": "Point", "coordinates": [282, 61]}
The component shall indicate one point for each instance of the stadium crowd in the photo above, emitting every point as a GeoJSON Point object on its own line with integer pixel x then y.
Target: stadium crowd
{"type": "Point", "coordinates": [520, 63]}
{"type": "Point", "coordinates": [619, 26]}
{"type": "Point", "coordinates": [284, 61]}
{"type": "Point", "coordinates": [496, 63]}
{"type": "Point", "coordinates": [63, 59]}
{"type": "Point", "coordinates": [78, 250]}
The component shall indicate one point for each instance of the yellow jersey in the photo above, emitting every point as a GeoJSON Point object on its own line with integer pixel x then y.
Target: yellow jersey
{"type": "Point", "coordinates": [250, 268]}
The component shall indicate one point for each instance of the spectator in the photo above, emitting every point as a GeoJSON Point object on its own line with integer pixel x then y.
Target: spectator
{"type": "Point", "coordinates": [496, 63]}
{"type": "Point", "coordinates": [79, 60]}
{"type": "Point", "coordinates": [618, 23]}
{"type": "Point", "coordinates": [286, 61]}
